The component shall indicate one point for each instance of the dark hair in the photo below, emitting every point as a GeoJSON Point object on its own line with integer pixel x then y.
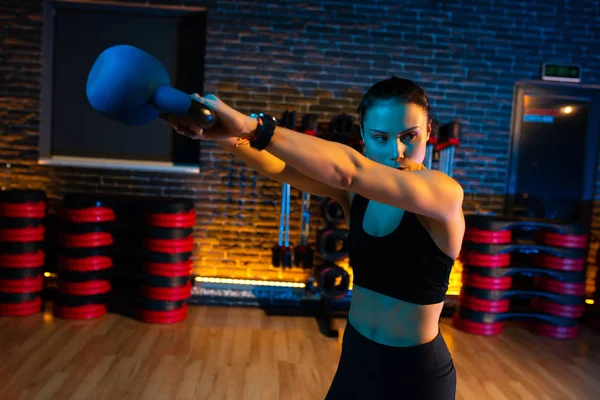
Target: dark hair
{"type": "Point", "coordinates": [393, 88]}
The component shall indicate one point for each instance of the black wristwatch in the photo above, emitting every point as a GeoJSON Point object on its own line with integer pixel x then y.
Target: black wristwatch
{"type": "Point", "coordinates": [264, 131]}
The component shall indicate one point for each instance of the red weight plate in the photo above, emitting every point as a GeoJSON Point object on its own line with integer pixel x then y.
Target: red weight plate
{"type": "Point", "coordinates": [93, 214]}
{"type": "Point", "coordinates": [486, 260]}
{"type": "Point", "coordinates": [84, 288]}
{"type": "Point", "coordinates": [485, 282]}
{"type": "Point", "coordinates": [558, 263]}
{"type": "Point", "coordinates": [555, 332]}
{"type": "Point", "coordinates": [89, 311]}
{"type": "Point", "coordinates": [167, 293]}
{"type": "Point", "coordinates": [27, 285]}
{"type": "Point", "coordinates": [26, 260]}
{"type": "Point", "coordinates": [169, 270]}
{"type": "Point", "coordinates": [447, 143]}
{"type": "Point", "coordinates": [92, 239]}
{"type": "Point", "coordinates": [162, 317]}
{"type": "Point", "coordinates": [560, 310]}
{"type": "Point", "coordinates": [86, 264]}
{"type": "Point", "coordinates": [178, 220]}
{"type": "Point", "coordinates": [475, 235]}
{"type": "Point", "coordinates": [23, 210]}
{"type": "Point", "coordinates": [482, 305]}
{"type": "Point", "coordinates": [560, 240]}
{"type": "Point", "coordinates": [21, 309]}
{"type": "Point", "coordinates": [170, 246]}
{"type": "Point", "coordinates": [23, 235]}
{"type": "Point", "coordinates": [554, 286]}
{"type": "Point", "coordinates": [477, 328]}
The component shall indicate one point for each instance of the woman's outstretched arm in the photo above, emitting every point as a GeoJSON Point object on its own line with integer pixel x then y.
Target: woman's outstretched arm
{"type": "Point", "coordinates": [429, 193]}
{"type": "Point", "coordinates": [426, 192]}
{"type": "Point", "coordinates": [262, 162]}
{"type": "Point", "coordinates": [274, 168]}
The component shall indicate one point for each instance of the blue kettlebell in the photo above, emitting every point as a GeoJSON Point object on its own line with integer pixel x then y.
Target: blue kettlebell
{"type": "Point", "coordinates": [133, 87]}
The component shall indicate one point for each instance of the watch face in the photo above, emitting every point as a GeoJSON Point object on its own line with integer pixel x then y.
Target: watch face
{"type": "Point", "coordinates": [265, 117]}
{"type": "Point", "coordinates": [268, 117]}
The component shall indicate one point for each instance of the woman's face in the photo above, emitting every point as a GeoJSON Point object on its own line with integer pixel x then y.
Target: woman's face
{"type": "Point", "coordinates": [395, 134]}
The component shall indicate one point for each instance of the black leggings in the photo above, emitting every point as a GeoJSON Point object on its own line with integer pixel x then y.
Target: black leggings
{"type": "Point", "coordinates": [369, 370]}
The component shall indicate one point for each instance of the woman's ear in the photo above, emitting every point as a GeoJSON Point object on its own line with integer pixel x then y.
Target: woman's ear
{"type": "Point", "coordinates": [429, 126]}
{"type": "Point", "coordinates": [362, 137]}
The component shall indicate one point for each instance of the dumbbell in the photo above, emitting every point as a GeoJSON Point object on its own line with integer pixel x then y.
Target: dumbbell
{"type": "Point", "coordinates": [309, 124]}
{"type": "Point", "coordinates": [132, 86]}
{"type": "Point", "coordinates": [303, 256]}
{"type": "Point", "coordinates": [303, 253]}
{"type": "Point", "coordinates": [341, 127]}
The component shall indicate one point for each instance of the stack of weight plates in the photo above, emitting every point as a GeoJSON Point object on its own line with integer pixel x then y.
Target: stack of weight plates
{"type": "Point", "coordinates": [85, 248]}
{"type": "Point", "coordinates": [22, 257]}
{"type": "Point", "coordinates": [493, 259]}
{"type": "Point", "coordinates": [572, 266]}
{"type": "Point", "coordinates": [163, 278]}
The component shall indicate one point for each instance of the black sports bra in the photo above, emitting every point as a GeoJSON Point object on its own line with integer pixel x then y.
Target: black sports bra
{"type": "Point", "coordinates": [406, 264]}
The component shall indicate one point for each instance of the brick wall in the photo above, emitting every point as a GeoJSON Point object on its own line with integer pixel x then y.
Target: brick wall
{"type": "Point", "coordinates": [316, 56]}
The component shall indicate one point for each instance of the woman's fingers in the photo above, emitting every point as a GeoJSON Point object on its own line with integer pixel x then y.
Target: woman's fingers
{"type": "Point", "coordinates": [189, 131]}
{"type": "Point", "coordinates": [195, 128]}
{"type": "Point", "coordinates": [210, 100]}
{"type": "Point", "coordinates": [192, 133]}
{"type": "Point", "coordinates": [183, 127]}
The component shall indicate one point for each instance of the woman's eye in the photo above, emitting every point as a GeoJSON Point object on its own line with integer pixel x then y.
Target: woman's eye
{"type": "Point", "coordinates": [381, 138]}
{"type": "Point", "coordinates": [409, 136]}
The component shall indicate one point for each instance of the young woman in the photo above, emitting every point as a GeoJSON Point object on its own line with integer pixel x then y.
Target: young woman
{"type": "Point", "coordinates": [406, 228]}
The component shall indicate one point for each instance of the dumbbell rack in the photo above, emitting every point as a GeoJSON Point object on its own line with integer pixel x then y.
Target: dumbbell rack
{"type": "Point", "coordinates": [328, 284]}
{"type": "Point", "coordinates": [506, 260]}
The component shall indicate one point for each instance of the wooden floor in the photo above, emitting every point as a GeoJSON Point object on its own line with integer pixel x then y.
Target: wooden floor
{"type": "Point", "coordinates": [237, 353]}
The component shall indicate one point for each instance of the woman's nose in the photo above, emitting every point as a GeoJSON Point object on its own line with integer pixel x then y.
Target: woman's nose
{"type": "Point", "coordinates": [399, 149]}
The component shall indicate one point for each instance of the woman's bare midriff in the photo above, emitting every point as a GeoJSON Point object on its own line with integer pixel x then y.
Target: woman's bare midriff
{"type": "Point", "coordinates": [393, 322]}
